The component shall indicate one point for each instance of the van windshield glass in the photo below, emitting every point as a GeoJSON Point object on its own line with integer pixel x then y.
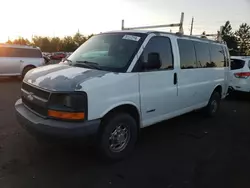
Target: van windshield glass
{"type": "Point", "coordinates": [111, 52]}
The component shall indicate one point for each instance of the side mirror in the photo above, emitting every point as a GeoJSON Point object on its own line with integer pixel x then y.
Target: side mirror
{"type": "Point", "coordinates": [154, 61]}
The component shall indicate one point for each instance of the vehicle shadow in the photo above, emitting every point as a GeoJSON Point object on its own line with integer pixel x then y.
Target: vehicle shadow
{"type": "Point", "coordinates": [184, 152]}
{"type": "Point", "coordinates": [239, 96]}
{"type": "Point", "coordinates": [10, 79]}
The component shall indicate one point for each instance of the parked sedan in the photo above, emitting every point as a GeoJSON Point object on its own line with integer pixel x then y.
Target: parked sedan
{"type": "Point", "coordinates": [58, 56]}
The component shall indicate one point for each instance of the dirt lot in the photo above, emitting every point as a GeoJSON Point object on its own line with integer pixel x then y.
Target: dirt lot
{"type": "Point", "coordinates": [186, 152]}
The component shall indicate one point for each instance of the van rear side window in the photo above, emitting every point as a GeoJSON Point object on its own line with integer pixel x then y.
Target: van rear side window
{"type": "Point", "coordinates": [227, 57]}
{"type": "Point", "coordinates": [20, 52]}
{"type": "Point", "coordinates": [202, 54]}
{"type": "Point", "coordinates": [217, 56]}
{"type": "Point", "coordinates": [237, 64]}
{"type": "Point", "coordinates": [187, 54]}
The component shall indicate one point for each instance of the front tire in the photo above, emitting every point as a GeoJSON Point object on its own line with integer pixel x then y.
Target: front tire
{"type": "Point", "coordinates": [117, 137]}
{"type": "Point", "coordinates": [25, 70]}
{"type": "Point", "coordinates": [213, 105]}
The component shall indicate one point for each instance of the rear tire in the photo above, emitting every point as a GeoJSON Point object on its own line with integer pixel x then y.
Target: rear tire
{"type": "Point", "coordinates": [25, 70]}
{"type": "Point", "coordinates": [117, 137]}
{"type": "Point", "coordinates": [213, 105]}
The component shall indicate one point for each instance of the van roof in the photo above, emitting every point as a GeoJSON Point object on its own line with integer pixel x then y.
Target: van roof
{"type": "Point", "coordinates": [18, 46]}
{"type": "Point", "coordinates": [162, 32]}
{"type": "Point", "coordinates": [241, 57]}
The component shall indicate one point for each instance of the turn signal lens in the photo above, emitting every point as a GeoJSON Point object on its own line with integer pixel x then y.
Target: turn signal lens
{"type": "Point", "coordinates": [66, 115]}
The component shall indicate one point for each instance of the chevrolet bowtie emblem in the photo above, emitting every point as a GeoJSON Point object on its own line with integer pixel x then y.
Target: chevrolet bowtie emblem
{"type": "Point", "coordinates": [30, 96]}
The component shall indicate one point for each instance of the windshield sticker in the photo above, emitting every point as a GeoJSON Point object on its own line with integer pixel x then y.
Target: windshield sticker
{"type": "Point", "coordinates": [131, 37]}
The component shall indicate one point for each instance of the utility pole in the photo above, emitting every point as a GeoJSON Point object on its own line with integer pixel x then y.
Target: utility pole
{"type": "Point", "coordinates": [192, 25]}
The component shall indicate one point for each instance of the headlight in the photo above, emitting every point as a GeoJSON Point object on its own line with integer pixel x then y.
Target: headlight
{"type": "Point", "coordinates": [72, 106]}
{"type": "Point", "coordinates": [67, 101]}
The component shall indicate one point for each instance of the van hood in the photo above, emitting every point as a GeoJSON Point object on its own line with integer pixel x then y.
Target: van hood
{"type": "Point", "coordinates": [62, 77]}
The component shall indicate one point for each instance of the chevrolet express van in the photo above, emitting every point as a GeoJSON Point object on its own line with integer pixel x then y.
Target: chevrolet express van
{"type": "Point", "coordinates": [117, 83]}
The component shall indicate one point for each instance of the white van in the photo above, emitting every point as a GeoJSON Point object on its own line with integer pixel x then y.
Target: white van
{"type": "Point", "coordinates": [240, 74]}
{"type": "Point", "coordinates": [17, 60]}
{"type": "Point", "coordinates": [119, 82]}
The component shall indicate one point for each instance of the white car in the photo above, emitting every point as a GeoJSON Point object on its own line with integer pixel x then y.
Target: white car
{"type": "Point", "coordinates": [131, 80]}
{"type": "Point", "coordinates": [17, 60]}
{"type": "Point", "coordinates": [240, 74]}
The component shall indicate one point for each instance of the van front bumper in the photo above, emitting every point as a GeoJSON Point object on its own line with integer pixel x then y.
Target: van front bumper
{"type": "Point", "coordinates": [37, 125]}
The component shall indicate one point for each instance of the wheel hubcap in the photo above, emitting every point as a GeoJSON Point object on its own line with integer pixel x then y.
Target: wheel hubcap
{"type": "Point", "coordinates": [119, 138]}
{"type": "Point", "coordinates": [214, 106]}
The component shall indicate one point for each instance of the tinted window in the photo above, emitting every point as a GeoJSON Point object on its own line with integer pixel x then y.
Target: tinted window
{"type": "Point", "coordinates": [5, 52]}
{"type": "Point", "coordinates": [20, 52]}
{"type": "Point", "coordinates": [217, 56]}
{"type": "Point", "coordinates": [159, 47]}
{"type": "Point", "coordinates": [237, 64]}
{"type": "Point", "coordinates": [249, 64]}
{"type": "Point", "coordinates": [202, 54]}
{"type": "Point", "coordinates": [187, 54]}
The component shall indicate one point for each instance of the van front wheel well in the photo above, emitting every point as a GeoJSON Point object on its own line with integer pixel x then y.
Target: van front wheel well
{"type": "Point", "coordinates": [126, 108]}
{"type": "Point", "coordinates": [118, 133]}
{"type": "Point", "coordinates": [218, 89]}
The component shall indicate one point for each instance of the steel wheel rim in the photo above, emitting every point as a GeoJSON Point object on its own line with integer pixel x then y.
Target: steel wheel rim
{"type": "Point", "coordinates": [214, 105]}
{"type": "Point", "coordinates": [119, 138]}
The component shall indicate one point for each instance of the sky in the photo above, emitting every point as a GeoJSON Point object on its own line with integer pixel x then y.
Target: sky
{"type": "Point", "coordinates": [60, 18]}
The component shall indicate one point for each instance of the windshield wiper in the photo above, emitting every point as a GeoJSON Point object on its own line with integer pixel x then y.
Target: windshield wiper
{"type": "Point", "coordinates": [87, 64]}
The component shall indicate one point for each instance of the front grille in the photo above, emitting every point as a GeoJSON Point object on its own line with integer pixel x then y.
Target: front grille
{"type": "Point", "coordinates": [38, 101]}
{"type": "Point", "coordinates": [34, 107]}
{"type": "Point", "coordinates": [38, 92]}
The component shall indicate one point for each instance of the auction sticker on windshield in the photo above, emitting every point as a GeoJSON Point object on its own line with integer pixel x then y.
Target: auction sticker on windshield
{"type": "Point", "coordinates": [131, 37]}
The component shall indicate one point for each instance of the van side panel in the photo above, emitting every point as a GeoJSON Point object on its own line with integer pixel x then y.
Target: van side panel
{"type": "Point", "coordinates": [35, 62]}
{"type": "Point", "coordinates": [14, 58]}
{"type": "Point", "coordinates": [195, 82]}
{"type": "Point", "coordinates": [10, 66]}
{"type": "Point", "coordinates": [197, 85]}
{"type": "Point", "coordinates": [114, 90]}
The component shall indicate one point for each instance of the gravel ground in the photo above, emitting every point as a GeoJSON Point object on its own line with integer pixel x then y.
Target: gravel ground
{"type": "Point", "coordinates": [186, 152]}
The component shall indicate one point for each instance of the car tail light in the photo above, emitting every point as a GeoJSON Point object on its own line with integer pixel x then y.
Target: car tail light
{"type": "Point", "coordinates": [242, 75]}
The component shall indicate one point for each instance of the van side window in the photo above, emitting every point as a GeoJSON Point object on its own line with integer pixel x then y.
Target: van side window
{"type": "Point", "coordinates": [187, 54]}
{"type": "Point", "coordinates": [202, 54]}
{"type": "Point", "coordinates": [217, 56]}
{"type": "Point", "coordinates": [32, 53]}
{"type": "Point", "coordinates": [227, 57]}
{"type": "Point", "coordinates": [5, 52]}
{"type": "Point", "coordinates": [157, 55]}
{"type": "Point", "coordinates": [20, 52]}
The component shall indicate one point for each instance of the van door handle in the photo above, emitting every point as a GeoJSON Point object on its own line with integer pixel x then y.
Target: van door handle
{"type": "Point", "coordinates": [175, 78]}
{"type": "Point", "coordinates": [21, 61]}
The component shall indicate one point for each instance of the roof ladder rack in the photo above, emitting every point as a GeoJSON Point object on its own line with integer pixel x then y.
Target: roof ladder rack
{"type": "Point", "coordinates": [218, 35]}
{"type": "Point", "coordinates": [180, 25]}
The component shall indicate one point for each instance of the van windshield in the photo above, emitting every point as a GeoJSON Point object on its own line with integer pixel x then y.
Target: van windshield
{"type": "Point", "coordinates": [110, 52]}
